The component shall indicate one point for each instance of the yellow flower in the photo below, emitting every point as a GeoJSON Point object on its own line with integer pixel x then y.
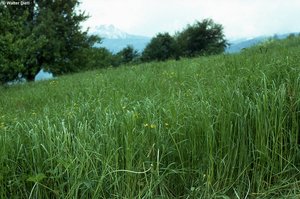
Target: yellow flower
{"type": "Point", "coordinates": [53, 82]}
{"type": "Point", "coordinates": [153, 126]}
{"type": "Point", "coordinates": [2, 125]}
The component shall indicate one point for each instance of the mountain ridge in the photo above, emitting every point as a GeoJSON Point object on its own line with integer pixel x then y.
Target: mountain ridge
{"type": "Point", "coordinates": [115, 39]}
{"type": "Point", "coordinates": [237, 45]}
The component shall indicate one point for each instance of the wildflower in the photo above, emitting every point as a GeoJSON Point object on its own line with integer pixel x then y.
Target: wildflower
{"type": "Point", "coordinates": [2, 125]}
{"type": "Point", "coordinates": [146, 125]}
{"type": "Point", "coordinates": [166, 124]}
{"type": "Point", "coordinates": [52, 82]}
{"type": "Point", "coordinates": [152, 126]}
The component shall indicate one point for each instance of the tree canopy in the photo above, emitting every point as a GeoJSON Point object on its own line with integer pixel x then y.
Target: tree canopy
{"type": "Point", "coordinates": [42, 34]}
{"type": "Point", "coordinates": [127, 54]}
{"type": "Point", "coordinates": [160, 48]}
{"type": "Point", "coordinates": [202, 38]}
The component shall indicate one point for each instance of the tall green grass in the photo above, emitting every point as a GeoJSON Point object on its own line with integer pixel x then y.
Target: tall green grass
{"type": "Point", "coordinates": [223, 126]}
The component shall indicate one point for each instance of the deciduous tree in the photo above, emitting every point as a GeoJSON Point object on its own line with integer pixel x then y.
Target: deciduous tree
{"type": "Point", "coordinates": [128, 54]}
{"type": "Point", "coordinates": [202, 38]}
{"type": "Point", "coordinates": [42, 34]}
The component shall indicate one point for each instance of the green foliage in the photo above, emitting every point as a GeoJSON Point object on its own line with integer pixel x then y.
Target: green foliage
{"type": "Point", "coordinates": [224, 126]}
{"type": "Point", "coordinates": [202, 38]}
{"type": "Point", "coordinates": [127, 55]}
{"type": "Point", "coordinates": [37, 178]}
{"type": "Point", "coordinates": [10, 48]}
{"type": "Point", "coordinates": [98, 58]}
{"type": "Point", "coordinates": [59, 22]}
{"type": "Point", "coordinates": [160, 48]}
{"type": "Point", "coordinates": [44, 34]}
{"type": "Point", "coordinates": [17, 46]}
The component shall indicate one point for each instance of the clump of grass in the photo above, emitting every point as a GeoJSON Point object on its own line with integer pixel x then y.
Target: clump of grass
{"type": "Point", "coordinates": [223, 126]}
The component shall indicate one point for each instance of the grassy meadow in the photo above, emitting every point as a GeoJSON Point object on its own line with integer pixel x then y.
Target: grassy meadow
{"type": "Point", "coordinates": [223, 126]}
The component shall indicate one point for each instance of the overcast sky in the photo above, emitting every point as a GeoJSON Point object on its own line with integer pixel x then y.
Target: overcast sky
{"type": "Point", "coordinates": [240, 18]}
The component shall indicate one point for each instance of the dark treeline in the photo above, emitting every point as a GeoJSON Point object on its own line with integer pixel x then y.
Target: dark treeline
{"type": "Point", "coordinates": [47, 35]}
{"type": "Point", "coordinates": [201, 38]}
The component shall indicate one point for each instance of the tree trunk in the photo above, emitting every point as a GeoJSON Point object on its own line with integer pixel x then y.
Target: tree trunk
{"type": "Point", "coordinates": [30, 77]}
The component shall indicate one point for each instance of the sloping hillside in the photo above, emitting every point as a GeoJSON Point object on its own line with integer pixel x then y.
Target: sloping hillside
{"type": "Point", "coordinates": [237, 46]}
{"type": "Point", "coordinates": [223, 126]}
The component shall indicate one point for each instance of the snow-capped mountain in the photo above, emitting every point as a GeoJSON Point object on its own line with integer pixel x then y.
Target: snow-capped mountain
{"type": "Point", "coordinates": [115, 39]}
{"type": "Point", "coordinates": [109, 32]}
